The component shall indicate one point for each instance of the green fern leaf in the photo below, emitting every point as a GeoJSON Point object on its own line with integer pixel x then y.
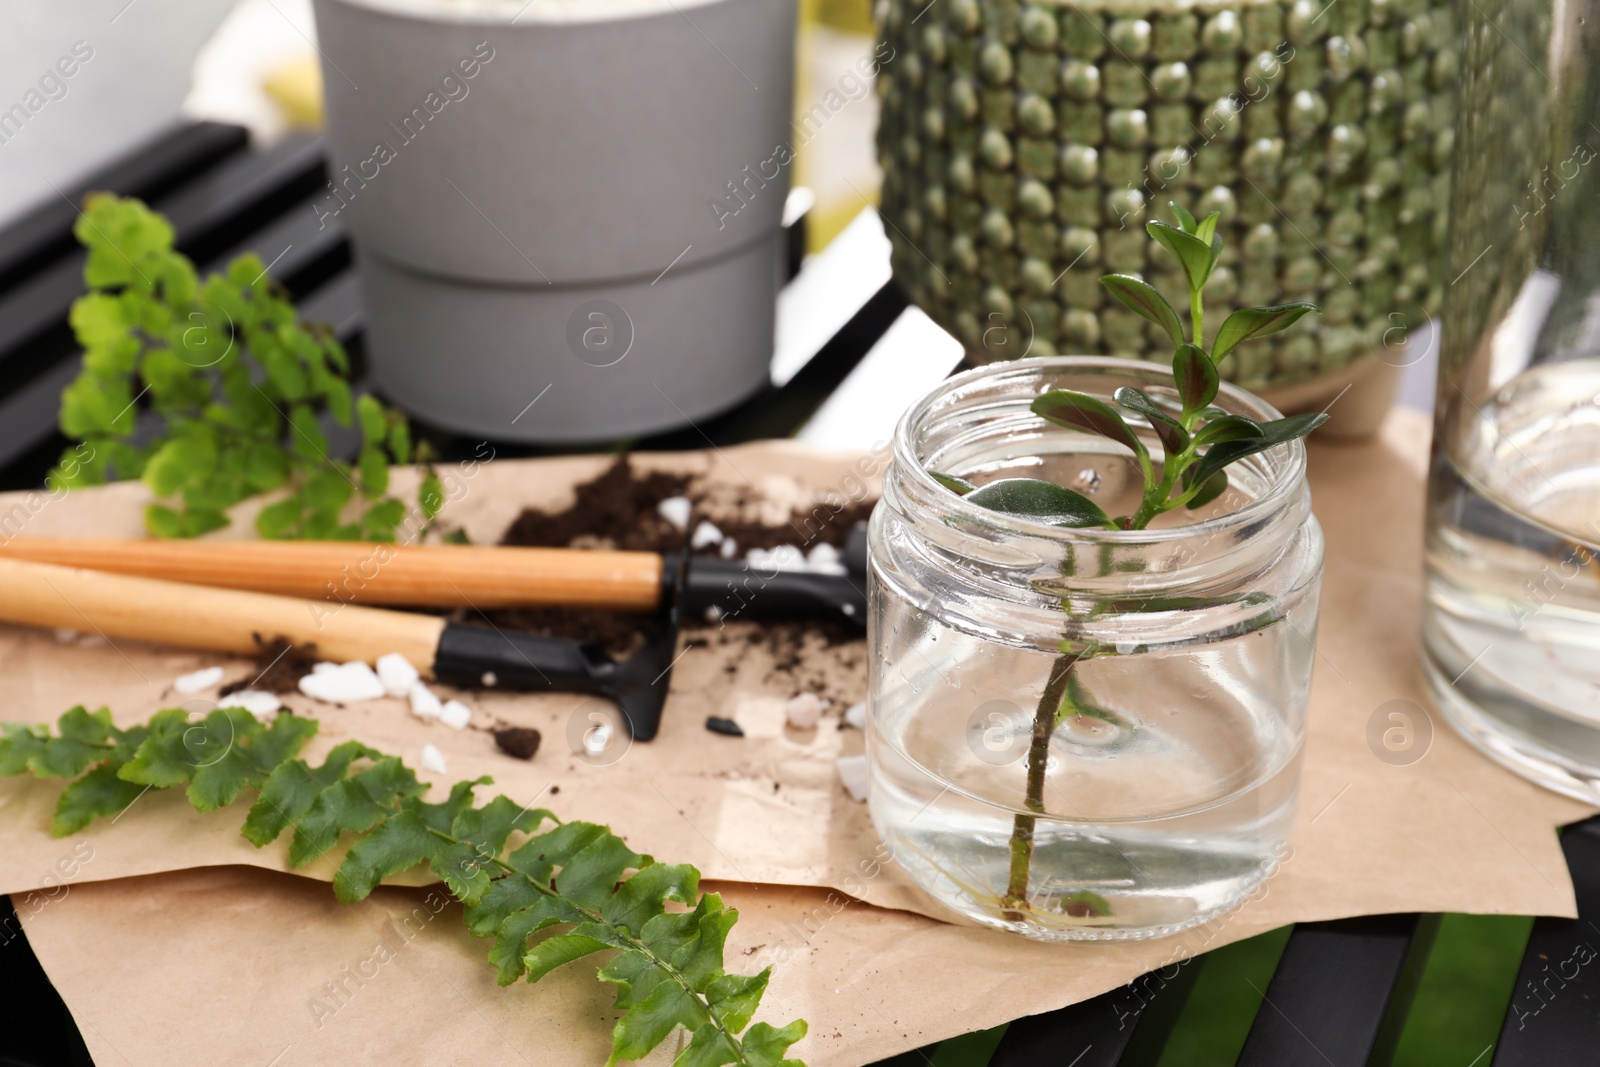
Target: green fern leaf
{"type": "Point", "coordinates": [665, 940]}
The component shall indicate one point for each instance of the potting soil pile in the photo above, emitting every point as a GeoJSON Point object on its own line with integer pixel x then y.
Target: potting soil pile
{"type": "Point", "coordinates": [200, 917]}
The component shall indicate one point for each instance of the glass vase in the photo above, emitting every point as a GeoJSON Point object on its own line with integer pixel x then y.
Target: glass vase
{"type": "Point", "coordinates": [1511, 628]}
{"type": "Point", "coordinates": [1085, 734]}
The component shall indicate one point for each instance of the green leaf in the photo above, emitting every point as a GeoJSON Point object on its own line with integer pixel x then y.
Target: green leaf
{"type": "Point", "coordinates": [1247, 324]}
{"type": "Point", "coordinates": [1206, 230]}
{"type": "Point", "coordinates": [1195, 257]}
{"type": "Point", "coordinates": [1174, 438]}
{"type": "Point", "coordinates": [97, 794]}
{"type": "Point", "coordinates": [1144, 299]}
{"type": "Point", "coordinates": [82, 741]}
{"type": "Point", "coordinates": [1041, 502]}
{"type": "Point", "coordinates": [400, 440]}
{"type": "Point", "coordinates": [327, 489]}
{"type": "Point", "coordinates": [765, 1045]}
{"type": "Point", "coordinates": [381, 519]}
{"type": "Point", "coordinates": [352, 805]}
{"type": "Point", "coordinates": [19, 743]}
{"type": "Point", "coordinates": [370, 414]}
{"type": "Point", "coordinates": [559, 950]}
{"type": "Point", "coordinates": [1080, 411]}
{"type": "Point", "coordinates": [1195, 376]}
{"type": "Point", "coordinates": [735, 997]}
{"type": "Point", "coordinates": [430, 495]}
{"type": "Point", "coordinates": [1214, 487]}
{"type": "Point", "coordinates": [163, 759]}
{"type": "Point", "coordinates": [648, 1023]}
{"type": "Point", "coordinates": [1185, 219]}
{"type": "Point", "coordinates": [293, 787]}
{"type": "Point", "coordinates": [1226, 428]}
{"type": "Point", "coordinates": [958, 486]}
{"type": "Point", "coordinates": [1277, 432]}
{"type": "Point", "coordinates": [374, 468]}
{"type": "Point", "coordinates": [279, 519]}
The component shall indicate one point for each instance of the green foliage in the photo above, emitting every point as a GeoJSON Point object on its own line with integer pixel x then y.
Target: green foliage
{"type": "Point", "coordinates": [239, 385]}
{"type": "Point", "coordinates": [1197, 440]}
{"type": "Point", "coordinates": [1040, 501]}
{"type": "Point", "coordinates": [666, 962]}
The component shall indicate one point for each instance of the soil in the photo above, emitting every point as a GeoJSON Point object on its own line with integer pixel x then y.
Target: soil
{"type": "Point", "coordinates": [280, 664]}
{"type": "Point", "coordinates": [617, 509]}
{"type": "Point", "coordinates": [519, 741]}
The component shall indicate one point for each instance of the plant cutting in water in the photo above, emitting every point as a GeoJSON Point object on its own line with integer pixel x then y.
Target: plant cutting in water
{"type": "Point", "coordinates": [1198, 443]}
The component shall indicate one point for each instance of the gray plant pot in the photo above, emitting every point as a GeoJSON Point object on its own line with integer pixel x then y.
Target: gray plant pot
{"type": "Point", "coordinates": [582, 206]}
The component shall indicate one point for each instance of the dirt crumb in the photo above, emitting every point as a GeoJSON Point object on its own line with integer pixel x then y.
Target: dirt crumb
{"type": "Point", "coordinates": [280, 664]}
{"type": "Point", "coordinates": [521, 742]}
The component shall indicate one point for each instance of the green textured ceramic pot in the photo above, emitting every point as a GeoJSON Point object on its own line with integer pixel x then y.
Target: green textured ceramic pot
{"type": "Point", "coordinates": [1023, 145]}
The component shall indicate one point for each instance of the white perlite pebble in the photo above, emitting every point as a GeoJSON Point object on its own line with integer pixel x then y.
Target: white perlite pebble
{"type": "Point", "coordinates": [596, 740]}
{"type": "Point", "coordinates": [824, 559]}
{"type": "Point", "coordinates": [342, 683]}
{"type": "Point", "coordinates": [856, 715]}
{"type": "Point", "coordinates": [424, 705]}
{"type": "Point", "coordinates": [432, 759]}
{"type": "Point", "coordinates": [257, 702]}
{"type": "Point", "coordinates": [675, 509]}
{"type": "Point", "coordinates": [397, 674]}
{"type": "Point", "coordinates": [705, 535]}
{"type": "Point", "coordinates": [782, 558]}
{"type": "Point", "coordinates": [729, 549]}
{"type": "Point", "coordinates": [204, 678]}
{"type": "Point", "coordinates": [67, 637]}
{"type": "Point", "coordinates": [455, 715]}
{"type": "Point", "coordinates": [853, 775]}
{"type": "Point", "coordinates": [804, 711]}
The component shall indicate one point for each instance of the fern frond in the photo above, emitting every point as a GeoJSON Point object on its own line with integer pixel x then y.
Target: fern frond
{"type": "Point", "coordinates": [667, 963]}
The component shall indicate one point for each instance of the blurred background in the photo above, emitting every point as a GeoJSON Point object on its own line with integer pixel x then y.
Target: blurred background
{"type": "Point", "coordinates": [254, 63]}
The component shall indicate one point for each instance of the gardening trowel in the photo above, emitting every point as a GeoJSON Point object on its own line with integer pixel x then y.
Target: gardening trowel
{"type": "Point", "coordinates": [470, 576]}
{"type": "Point", "coordinates": [245, 623]}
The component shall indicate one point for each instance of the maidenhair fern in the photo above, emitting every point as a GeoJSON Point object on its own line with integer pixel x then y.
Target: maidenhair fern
{"type": "Point", "coordinates": [668, 964]}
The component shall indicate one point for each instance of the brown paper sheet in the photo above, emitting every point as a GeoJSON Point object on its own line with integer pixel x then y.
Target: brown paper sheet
{"type": "Point", "coordinates": [234, 965]}
{"type": "Point", "coordinates": [1449, 832]}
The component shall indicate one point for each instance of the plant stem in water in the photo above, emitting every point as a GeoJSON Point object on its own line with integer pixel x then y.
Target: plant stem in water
{"type": "Point", "coordinates": [1044, 727]}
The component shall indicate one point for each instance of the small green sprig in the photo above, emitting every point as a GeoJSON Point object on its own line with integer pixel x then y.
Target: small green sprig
{"type": "Point", "coordinates": [239, 384]}
{"type": "Point", "coordinates": [1197, 440]}
{"type": "Point", "coordinates": [666, 962]}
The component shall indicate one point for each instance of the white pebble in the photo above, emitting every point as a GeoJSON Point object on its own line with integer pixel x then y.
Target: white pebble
{"type": "Point", "coordinates": [804, 711]}
{"type": "Point", "coordinates": [397, 674]}
{"type": "Point", "coordinates": [675, 509]}
{"type": "Point", "coordinates": [424, 705]}
{"type": "Point", "coordinates": [257, 702]}
{"type": "Point", "coordinates": [455, 715]}
{"type": "Point", "coordinates": [729, 549]}
{"type": "Point", "coordinates": [342, 683]}
{"type": "Point", "coordinates": [782, 558]}
{"type": "Point", "coordinates": [824, 559]}
{"type": "Point", "coordinates": [204, 678]}
{"type": "Point", "coordinates": [856, 715]}
{"type": "Point", "coordinates": [853, 775]}
{"type": "Point", "coordinates": [67, 637]}
{"type": "Point", "coordinates": [432, 759]}
{"type": "Point", "coordinates": [705, 535]}
{"type": "Point", "coordinates": [597, 740]}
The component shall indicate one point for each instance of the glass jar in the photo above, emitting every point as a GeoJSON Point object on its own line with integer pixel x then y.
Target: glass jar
{"type": "Point", "coordinates": [1511, 624]}
{"type": "Point", "coordinates": [1085, 734]}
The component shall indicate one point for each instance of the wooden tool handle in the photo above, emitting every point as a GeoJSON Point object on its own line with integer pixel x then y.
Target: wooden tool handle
{"type": "Point", "coordinates": [351, 572]}
{"type": "Point", "coordinates": [222, 620]}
